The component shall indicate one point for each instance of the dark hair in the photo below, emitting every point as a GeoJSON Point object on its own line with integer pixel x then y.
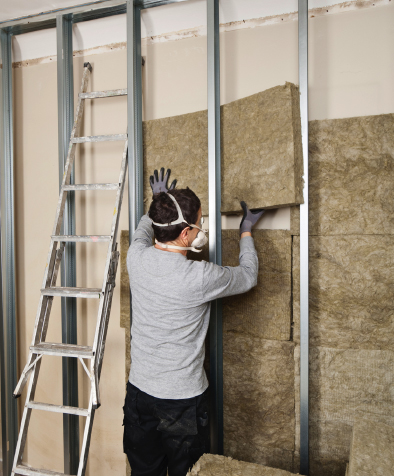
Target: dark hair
{"type": "Point", "coordinates": [163, 210]}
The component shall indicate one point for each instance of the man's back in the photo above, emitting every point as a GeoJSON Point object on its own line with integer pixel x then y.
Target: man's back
{"type": "Point", "coordinates": [170, 321]}
{"type": "Point", "coordinates": [170, 312]}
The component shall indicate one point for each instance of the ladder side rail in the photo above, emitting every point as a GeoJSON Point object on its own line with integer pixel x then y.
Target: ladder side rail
{"type": "Point", "coordinates": [115, 221]}
{"type": "Point", "coordinates": [43, 309]}
{"type": "Point", "coordinates": [119, 197]}
{"type": "Point", "coordinates": [107, 310]}
{"type": "Point", "coordinates": [99, 325]}
{"type": "Point", "coordinates": [86, 439]}
{"type": "Point", "coordinates": [49, 268]}
{"type": "Point", "coordinates": [41, 324]}
{"type": "Point", "coordinates": [52, 282]}
{"type": "Point", "coordinates": [70, 154]}
{"type": "Point", "coordinates": [34, 371]}
{"type": "Point", "coordinates": [50, 275]}
{"type": "Point", "coordinates": [20, 447]}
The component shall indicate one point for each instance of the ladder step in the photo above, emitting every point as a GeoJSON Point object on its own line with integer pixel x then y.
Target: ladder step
{"type": "Point", "coordinates": [58, 408]}
{"type": "Point", "coordinates": [29, 471]}
{"type": "Point", "coordinates": [72, 292]}
{"type": "Point", "coordinates": [103, 94]}
{"type": "Point", "coordinates": [81, 238]}
{"type": "Point", "coordinates": [91, 186]}
{"type": "Point", "coordinates": [78, 140]}
{"type": "Point", "coordinates": [64, 350]}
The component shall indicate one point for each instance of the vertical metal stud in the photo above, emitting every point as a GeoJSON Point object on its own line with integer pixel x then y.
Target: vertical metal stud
{"type": "Point", "coordinates": [134, 120]}
{"type": "Point", "coordinates": [215, 231]}
{"type": "Point", "coordinates": [9, 415]}
{"type": "Point", "coordinates": [68, 272]}
{"type": "Point", "coordinates": [134, 116]}
{"type": "Point", "coordinates": [304, 240]}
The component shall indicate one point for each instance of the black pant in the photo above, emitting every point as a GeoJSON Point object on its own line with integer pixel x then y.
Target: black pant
{"type": "Point", "coordinates": [164, 434]}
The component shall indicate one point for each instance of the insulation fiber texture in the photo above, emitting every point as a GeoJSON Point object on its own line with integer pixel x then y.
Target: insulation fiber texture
{"type": "Point", "coordinates": [261, 151]}
{"type": "Point", "coordinates": [125, 308]}
{"type": "Point", "coordinates": [264, 311]}
{"type": "Point", "coordinates": [351, 172]}
{"type": "Point", "coordinates": [215, 465]}
{"type": "Point", "coordinates": [372, 449]}
{"type": "Point", "coordinates": [344, 385]}
{"type": "Point", "coordinates": [351, 176]}
{"type": "Point", "coordinates": [351, 299]}
{"type": "Point", "coordinates": [258, 388]}
{"type": "Point", "coordinates": [125, 297]}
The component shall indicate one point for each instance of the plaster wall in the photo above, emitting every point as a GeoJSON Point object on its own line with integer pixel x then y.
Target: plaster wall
{"type": "Point", "coordinates": [351, 71]}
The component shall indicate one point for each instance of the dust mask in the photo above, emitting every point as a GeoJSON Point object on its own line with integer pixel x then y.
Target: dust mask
{"type": "Point", "coordinates": [199, 241]}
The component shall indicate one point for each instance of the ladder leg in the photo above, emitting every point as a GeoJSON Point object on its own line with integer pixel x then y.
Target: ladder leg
{"type": "Point", "coordinates": [95, 390]}
{"type": "Point", "coordinates": [41, 327]}
{"type": "Point", "coordinates": [86, 439]}
{"type": "Point", "coordinates": [20, 447]}
{"type": "Point", "coordinates": [107, 308]}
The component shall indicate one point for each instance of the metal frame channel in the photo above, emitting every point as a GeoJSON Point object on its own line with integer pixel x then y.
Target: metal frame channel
{"type": "Point", "coordinates": [8, 354]}
{"type": "Point", "coordinates": [134, 116]}
{"type": "Point", "coordinates": [86, 12]}
{"type": "Point", "coordinates": [65, 85]}
{"type": "Point", "coordinates": [304, 240]}
{"type": "Point", "coordinates": [215, 224]}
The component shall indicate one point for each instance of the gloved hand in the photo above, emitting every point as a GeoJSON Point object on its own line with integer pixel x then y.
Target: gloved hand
{"type": "Point", "coordinates": [249, 219]}
{"type": "Point", "coordinates": [159, 183]}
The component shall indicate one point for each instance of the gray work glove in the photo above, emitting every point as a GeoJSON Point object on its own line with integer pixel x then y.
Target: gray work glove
{"type": "Point", "coordinates": [249, 219]}
{"type": "Point", "coordinates": [160, 183]}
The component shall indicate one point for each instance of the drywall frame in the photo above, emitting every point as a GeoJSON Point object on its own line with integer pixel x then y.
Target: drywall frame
{"type": "Point", "coordinates": [304, 237]}
{"type": "Point", "coordinates": [132, 8]}
{"type": "Point", "coordinates": [8, 357]}
{"type": "Point", "coordinates": [65, 99]}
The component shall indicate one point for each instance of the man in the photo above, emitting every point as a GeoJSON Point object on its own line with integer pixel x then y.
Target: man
{"type": "Point", "coordinates": [166, 412]}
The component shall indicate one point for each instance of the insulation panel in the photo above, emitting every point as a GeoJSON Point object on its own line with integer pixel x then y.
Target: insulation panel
{"type": "Point", "coordinates": [350, 293]}
{"type": "Point", "coordinates": [258, 388]}
{"type": "Point", "coordinates": [372, 449]}
{"type": "Point", "coordinates": [344, 385]}
{"type": "Point", "coordinates": [351, 176]}
{"type": "Point", "coordinates": [264, 311]}
{"type": "Point", "coordinates": [209, 465]}
{"type": "Point", "coordinates": [261, 151]}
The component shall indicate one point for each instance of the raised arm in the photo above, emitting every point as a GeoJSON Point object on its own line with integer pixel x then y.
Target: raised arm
{"type": "Point", "coordinates": [159, 183]}
{"type": "Point", "coordinates": [221, 281]}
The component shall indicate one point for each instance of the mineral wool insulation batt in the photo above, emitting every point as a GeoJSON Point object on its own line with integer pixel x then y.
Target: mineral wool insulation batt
{"type": "Point", "coordinates": [260, 146]}
{"type": "Point", "coordinates": [215, 465]}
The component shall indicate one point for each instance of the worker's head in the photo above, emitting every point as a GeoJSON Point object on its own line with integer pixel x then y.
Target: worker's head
{"type": "Point", "coordinates": [163, 210]}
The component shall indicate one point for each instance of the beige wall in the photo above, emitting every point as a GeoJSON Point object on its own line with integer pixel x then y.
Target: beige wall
{"type": "Point", "coordinates": [351, 74]}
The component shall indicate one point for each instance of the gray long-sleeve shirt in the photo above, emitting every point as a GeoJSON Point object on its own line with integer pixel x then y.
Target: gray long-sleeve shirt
{"type": "Point", "coordinates": [170, 312]}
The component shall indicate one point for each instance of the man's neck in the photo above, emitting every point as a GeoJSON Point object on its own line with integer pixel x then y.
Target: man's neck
{"type": "Point", "coordinates": [171, 250]}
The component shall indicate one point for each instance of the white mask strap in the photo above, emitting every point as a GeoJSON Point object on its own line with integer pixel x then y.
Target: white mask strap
{"type": "Point", "coordinates": [180, 218]}
{"type": "Point", "coordinates": [174, 247]}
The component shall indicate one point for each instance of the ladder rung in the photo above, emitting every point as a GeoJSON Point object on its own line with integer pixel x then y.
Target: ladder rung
{"type": "Point", "coordinates": [81, 238]}
{"type": "Point", "coordinates": [91, 186]}
{"type": "Point", "coordinates": [103, 94]}
{"type": "Point", "coordinates": [49, 407]}
{"type": "Point", "coordinates": [28, 471]}
{"type": "Point", "coordinates": [72, 292]}
{"type": "Point", "coordinates": [65, 350]}
{"type": "Point", "coordinates": [78, 140]}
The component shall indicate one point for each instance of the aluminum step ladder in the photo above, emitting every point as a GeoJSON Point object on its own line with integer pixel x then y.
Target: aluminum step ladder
{"type": "Point", "coordinates": [39, 347]}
